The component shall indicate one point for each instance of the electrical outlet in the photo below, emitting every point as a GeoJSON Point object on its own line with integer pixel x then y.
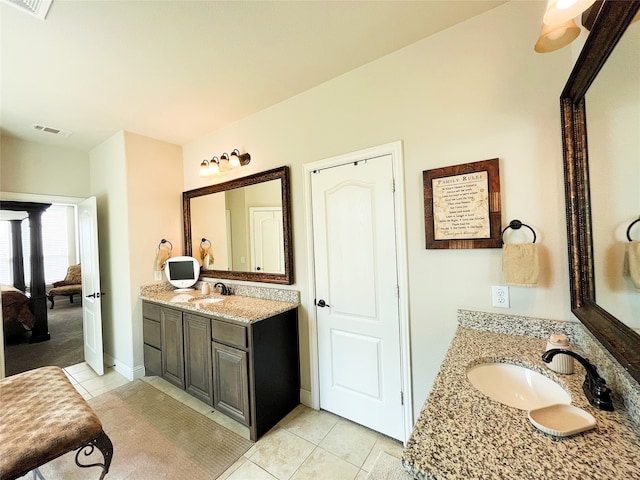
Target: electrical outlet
{"type": "Point", "coordinates": [500, 296]}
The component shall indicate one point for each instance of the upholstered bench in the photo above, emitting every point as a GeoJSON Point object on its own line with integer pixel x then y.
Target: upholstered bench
{"type": "Point", "coordinates": [70, 286]}
{"type": "Point", "coordinates": [42, 416]}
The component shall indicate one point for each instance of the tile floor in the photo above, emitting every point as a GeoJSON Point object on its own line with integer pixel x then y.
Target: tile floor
{"type": "Point", "coordinates": [306, 444]}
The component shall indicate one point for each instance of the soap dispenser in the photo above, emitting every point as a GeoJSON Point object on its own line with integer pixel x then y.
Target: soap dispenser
{"type": "Point", "coordinates": [560, 363]}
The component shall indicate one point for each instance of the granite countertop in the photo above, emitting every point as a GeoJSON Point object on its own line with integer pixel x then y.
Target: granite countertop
{"type": "Point", "coordinates": [231, 307]}
{"type": "Point", "coordinates": [462, 434]}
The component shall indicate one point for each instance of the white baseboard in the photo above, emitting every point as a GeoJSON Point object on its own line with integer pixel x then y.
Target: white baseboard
{"type": "Point", "coordinates": [305, 397]}
{"type": "Point", "coordinates": [123, 369]}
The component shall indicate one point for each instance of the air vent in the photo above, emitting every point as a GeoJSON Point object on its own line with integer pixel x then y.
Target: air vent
{"type": "Point", "coordinates": [53, 131]}
{"type": "Point", "coordinates": [37, 8]}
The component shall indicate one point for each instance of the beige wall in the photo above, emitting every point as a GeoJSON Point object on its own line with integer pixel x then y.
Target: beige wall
{"type": "Point", "coordinates": [138, 184]}
{"type": "Point", "coordinates": [154, 202]}
{"type": "Point", "coordinates": [28, 167]}
{"type": "Point", "coordinates": [108, 184]}
{"type": "Point", "coordinates": [473, 92]}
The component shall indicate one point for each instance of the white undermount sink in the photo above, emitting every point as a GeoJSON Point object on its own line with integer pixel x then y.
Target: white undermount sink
{"type": "Point", "coordinates": [206, 300]}
{"type": "Point", "coordinates": [516, 386]}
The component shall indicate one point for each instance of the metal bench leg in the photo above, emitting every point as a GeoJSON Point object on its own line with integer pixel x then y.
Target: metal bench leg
{"type": "Point", "coordinates": [37, 475]}
{"type": "Point", "coordinates": [103, 443]}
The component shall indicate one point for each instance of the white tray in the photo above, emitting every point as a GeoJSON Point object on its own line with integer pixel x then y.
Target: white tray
{"type": "Point", "coordinates": [561, 420]}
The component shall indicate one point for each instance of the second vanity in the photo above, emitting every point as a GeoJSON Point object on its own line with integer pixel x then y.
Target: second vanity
{"type": "Point", "coordinates": [237, 353]}
{"type": "Point", "coordinates": [463, 434]}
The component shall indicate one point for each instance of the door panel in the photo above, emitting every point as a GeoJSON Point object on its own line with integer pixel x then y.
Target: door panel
{"type": "Point", "coordinates": [356, 276]}
{"type": "Point", "coordinates": [91, 303]}
{"type": "Point", "coordinates": [172, 346]}
{"type": "Point", "coordinates": [267, 239]}
{"type": "Point", "coordinates": [197, 346]}
{"type": "Point", "coordinates": [230, 377]}
{"type": "Point", "coordinates": [355, 363]}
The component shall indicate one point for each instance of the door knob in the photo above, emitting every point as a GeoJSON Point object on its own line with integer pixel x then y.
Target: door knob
{"type": "Point", "coordinates": [96, 295]}
{"type": "Point", "coordinates": [321, 303]}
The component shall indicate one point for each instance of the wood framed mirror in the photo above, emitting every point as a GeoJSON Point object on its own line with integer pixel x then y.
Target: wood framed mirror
{"type": "Point", "coordinates": [246, 223]}
{"type": "Point", "coordinates": [611, 329]}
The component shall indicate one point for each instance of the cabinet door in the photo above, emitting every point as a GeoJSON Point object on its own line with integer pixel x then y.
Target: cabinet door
{"type": "Point", "coordinates": [172, 346]}
{"type": "Point", "coordinates": [197, 348]}
{"type": "Point", "coordinates": [231, 382]}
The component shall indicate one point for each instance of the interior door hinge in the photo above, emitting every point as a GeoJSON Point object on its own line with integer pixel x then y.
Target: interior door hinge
{"type": "Point", "coordinates": [393, 185]}
{"type": "Point", "coordinates": [401, 398]}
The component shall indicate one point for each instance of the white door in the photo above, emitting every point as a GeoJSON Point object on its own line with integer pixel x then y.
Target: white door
{"type": "Point", "coordinates": [267, 239]}
{"type": "Point", "coordinates": [91, 302]}
{"type": "Point", "coordinates": [357, 294]}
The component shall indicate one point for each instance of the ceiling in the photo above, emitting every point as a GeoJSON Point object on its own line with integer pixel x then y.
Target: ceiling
{"type": "Point", "coordinates": [177, 70]}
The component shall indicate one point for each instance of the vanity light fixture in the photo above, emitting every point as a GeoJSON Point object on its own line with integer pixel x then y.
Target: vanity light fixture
{"type": "Point", "coordinates": [558, 26]}
{"type": "Point", "coordinates": [239, 159]}
{"type": "Point", "coordinates": [561, 11]}
{"type": "Point", "coordinates": [554, 37]}
{"type": "Point", "coordinates": [224, 163]}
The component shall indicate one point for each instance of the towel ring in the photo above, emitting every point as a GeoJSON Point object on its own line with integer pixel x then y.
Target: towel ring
{"type": "Point", "coordinates": [203, 241]}
{"type": "Point", "coordinates": [163, 241]}
{"type": "Point", "coordinates": [629, 229]}
{"type": "Point", "coordinates": [516, 225]}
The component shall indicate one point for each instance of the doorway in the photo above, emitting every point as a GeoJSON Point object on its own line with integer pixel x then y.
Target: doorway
{"type": "Point", "coordinates": [72, 319]}
{"type": "Point", "coordinates": [359, 327]}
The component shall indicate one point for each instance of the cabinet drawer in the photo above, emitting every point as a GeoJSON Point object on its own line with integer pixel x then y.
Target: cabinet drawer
{"type": "Point", "coordinates": [152, 361]}
{"type": "Point", "coordinates": [149, 310]}
{"type": "Point", "coordinates": [151, 333]}
{"type": "Point", "coordinates": [229, 333]}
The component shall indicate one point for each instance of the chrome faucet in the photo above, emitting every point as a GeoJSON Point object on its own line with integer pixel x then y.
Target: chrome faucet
{"type": "Point", "coordinates": [224, 290]}
{"type": "Point", "coordinates": [594, 386]}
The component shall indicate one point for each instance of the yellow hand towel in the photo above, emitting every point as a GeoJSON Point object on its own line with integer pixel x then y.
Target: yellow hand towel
{"type": "Point", "coordinates": [206, 257]}
{"type": "Point", "coordinates": [632, 262]}
{"type": "Point", "coordinates": [164, 252]}
{"type": "Point", "coordinates": [520, 264]}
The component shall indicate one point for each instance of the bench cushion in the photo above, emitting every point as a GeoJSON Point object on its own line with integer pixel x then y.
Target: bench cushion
{"type": "Point", "coordinates": [66, 290]}
{"type": "Point", "coordinates": [42, 416]}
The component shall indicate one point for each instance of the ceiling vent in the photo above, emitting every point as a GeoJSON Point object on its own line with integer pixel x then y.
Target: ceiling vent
{"type": "Point", "coordinates": [54, 131]}
{"type": "Point", "coordinates": [37, 8]}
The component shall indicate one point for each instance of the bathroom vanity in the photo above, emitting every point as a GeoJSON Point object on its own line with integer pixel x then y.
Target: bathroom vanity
{"type": "Point", "coordinates": [461, 433]}
{"type": "Point", "coordinates": [236, 353]}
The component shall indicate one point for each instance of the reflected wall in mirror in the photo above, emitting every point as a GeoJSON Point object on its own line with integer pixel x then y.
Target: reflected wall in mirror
{"type": "Point", "coordinates": [592, 237]}
{"type": "Point", "coordinates": [244, 225]}
{"type": "Point", "coordinates": [613, 122]}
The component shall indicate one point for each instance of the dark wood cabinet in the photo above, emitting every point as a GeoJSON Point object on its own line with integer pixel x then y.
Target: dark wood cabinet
{"type": "Point", "coordinates": [231, 382]}
{"type": "Point", "coordinates": [247, 371]}
{"type": "Point", "coordinates": [152, 339]}
{"type": "Point", "coordinates": [197, 348]}
{"type": "Point", "coordinates": [172, 346]}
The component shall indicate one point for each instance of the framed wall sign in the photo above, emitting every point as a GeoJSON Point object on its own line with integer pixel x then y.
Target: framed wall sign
{"type": "Point", "coordinates": [462, 205]}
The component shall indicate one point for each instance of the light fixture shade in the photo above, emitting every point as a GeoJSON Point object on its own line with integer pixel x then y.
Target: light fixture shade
{"type": "Point", "coordinates": [553, 37]}
{"type": "Point", "coordinates": [213, 166]}
{"type": "Point", "coordinates": [204, 168]}
{"type": "Point", "coordinates": [561, 11]}
{"type": "Point", "coordinates": [224, 162]}
{"type": "Point", "coordinates": [234, 161]}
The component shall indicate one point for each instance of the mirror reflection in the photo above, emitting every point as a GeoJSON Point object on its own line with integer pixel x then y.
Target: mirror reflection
{"type": "Point", "coordinates": [613, 123]}
{"type": "Point", "coordinates": [240, 229]}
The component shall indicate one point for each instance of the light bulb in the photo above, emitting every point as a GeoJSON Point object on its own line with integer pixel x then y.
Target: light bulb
{"type": "Point", "coordinates": [204, 168]}
{"type": "Point", "coordinates": [213, 166]}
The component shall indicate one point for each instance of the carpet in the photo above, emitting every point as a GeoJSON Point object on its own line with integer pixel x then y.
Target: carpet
{"type": "Point", "coordinates": [387, 467]}
{"type": "Point", "coordinates": [65, 348]}
{"type": "Point", "coordinates": [154, 437]}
